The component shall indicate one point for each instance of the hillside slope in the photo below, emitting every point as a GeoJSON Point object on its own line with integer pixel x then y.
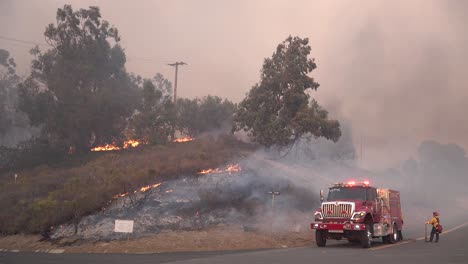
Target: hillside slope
{"type": "Point", "coordinates": [47, 196]}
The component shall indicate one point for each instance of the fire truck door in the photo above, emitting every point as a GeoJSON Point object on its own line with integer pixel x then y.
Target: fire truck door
{"type": "Point", "coordinates": [376, 208]}
{"type": "Point", "coordinates": [374, 202]}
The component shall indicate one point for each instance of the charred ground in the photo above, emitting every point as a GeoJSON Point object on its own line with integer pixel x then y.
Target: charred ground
{"type": "Point", "coordinates": [50, 195]}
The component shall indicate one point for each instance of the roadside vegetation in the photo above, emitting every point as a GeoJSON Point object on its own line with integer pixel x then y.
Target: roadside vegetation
{"type": "Point", "coordinates": [49, 195]}
{"type": "Point", "coordinates": [79, 95]}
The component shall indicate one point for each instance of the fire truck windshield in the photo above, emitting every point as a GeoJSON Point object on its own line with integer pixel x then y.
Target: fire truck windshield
{"type": "Point", "coordinates": [347, 193]}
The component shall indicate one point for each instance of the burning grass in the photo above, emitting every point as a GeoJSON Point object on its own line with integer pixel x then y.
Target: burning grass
{"type": "Point", "coordinates": [231, 168]}
{"type": "Point", "coordinates": [184, 139]}
{"type": "Point", "coordinates": [142, 190]}
{"type": "Point", "coordinates": [46, 196]}
{"type": "Point", "coordinates": [111, 147]}
{"type": "Point", "coordinates": [194, 204]}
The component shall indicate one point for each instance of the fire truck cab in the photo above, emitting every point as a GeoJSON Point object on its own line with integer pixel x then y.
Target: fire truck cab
{"type": "Point", "coordinates": [358, 212]}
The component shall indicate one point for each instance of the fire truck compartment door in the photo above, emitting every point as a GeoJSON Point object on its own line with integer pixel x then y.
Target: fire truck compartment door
{"type": "Point", "coordinates": [380, 229]}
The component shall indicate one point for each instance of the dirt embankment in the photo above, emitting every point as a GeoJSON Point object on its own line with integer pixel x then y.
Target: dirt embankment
{"type": "Point", "coordinates": [218, 238]}
{"type": "Point", "coordinates": [47, 196]}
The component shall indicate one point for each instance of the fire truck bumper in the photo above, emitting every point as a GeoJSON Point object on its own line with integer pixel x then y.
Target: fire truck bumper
{"type": "Point", "coordinates": [338, 228]}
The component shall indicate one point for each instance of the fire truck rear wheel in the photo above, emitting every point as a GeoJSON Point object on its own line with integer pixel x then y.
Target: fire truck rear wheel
{"type": "Point", "coordinates": [320, 238]}
{"type": "Point", "coordinates": [394, 237]}
{"type": "Point", "coordinates": [366, 237]}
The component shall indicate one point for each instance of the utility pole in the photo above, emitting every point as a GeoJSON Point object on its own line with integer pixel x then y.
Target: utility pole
{"type": "Point", "coordinates": [273, 194]}
{"type": "Point", "coordinates": [176, 65]}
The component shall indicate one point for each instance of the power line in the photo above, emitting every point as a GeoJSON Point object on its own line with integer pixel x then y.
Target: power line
{"type": "Point", "coordinates": [145, 59]}
{"type": "Point", "coordinates": [141, 60]}
{"type": "Point", "coordinates": [23, 41]}
{"type": "Point", "coordinates": [16, 45]}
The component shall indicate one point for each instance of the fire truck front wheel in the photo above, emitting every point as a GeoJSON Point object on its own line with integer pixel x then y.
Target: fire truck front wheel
{"type": "Point", "coordinates": [366, 237]}
{"type": "Point", "coordinates": [321, 238]}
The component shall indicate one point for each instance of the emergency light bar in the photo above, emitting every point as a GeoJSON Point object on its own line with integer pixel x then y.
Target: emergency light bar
{"type": "Point", "coordinates": [351, 184]}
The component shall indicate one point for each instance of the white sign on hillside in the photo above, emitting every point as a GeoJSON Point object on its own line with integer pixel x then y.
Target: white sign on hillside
{"type": "Point", "coordinates": [123, 226]}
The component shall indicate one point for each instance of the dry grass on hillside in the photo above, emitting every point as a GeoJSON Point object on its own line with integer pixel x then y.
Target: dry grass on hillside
{"type": "Point", "coordinates": [46, 196]}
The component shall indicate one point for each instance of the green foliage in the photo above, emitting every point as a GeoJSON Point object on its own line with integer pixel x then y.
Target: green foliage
{"type": "Point", "coordinates": [7, 62]}
{"type": "Point", "coordinates": [8, 81]}
{"type": "Point", "coordinates": [31, 153]}
{"type": "Point", "coordinates": [155, 120]}
{"type": "Point", "coordinates": [79, 90]}
{"type": "Point", "coordinates": [188, 115]}
{"type": "Point", "coordinates": [277, 111]}
{"type": "Point", "coordinates": [162, 84]}
{"type": "Point", "coordinates": [202, 115]}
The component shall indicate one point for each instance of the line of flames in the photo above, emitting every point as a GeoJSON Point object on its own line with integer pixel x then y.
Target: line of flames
{"type": "Point", "coordinates": [110, 147]}
{"type": "Point", "coordinates": [142, 190]}
{"type": "Point", "coordinates": [231, 168]}
{"type": "Point", "coordinates": [184, 139]}
{"type": "Point", "coordinates": [132, 144]}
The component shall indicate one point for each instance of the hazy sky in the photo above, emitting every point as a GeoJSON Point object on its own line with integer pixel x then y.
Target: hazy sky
{"type": "Point", "coordinates": [396, 70]}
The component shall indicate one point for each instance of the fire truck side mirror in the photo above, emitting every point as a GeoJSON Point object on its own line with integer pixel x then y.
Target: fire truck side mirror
{"type": "Point", "coordinates": [321, 195]}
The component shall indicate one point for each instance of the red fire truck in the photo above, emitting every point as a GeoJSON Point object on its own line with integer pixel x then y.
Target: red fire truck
{"type": "Point", "coordinates": [359, 213]}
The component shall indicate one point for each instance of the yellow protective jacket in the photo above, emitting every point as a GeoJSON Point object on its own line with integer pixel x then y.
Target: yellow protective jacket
{"type": "Point", "coordinates": [434, 221]}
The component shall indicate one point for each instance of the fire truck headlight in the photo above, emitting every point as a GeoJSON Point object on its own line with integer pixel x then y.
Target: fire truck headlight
{"type": "Point", "coordinates": [358, 215]}
{"type": "Point", "coordinates": [356, 227]}
{"type": "Point", "coordinates": [316, 225]}
{"type": "Point", "coordinates": [318, 216]}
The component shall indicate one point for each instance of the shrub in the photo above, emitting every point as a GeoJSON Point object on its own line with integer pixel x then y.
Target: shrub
{"type": "Point", "coordinates": [50, 195]}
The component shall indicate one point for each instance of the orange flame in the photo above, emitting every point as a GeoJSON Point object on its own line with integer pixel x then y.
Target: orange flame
{"type": "Point", "coordinates": [207, 171]}
{"type": "Point", "coordinates": [142, 189]}
{"type": "Point", "coordinates": [184, 139]}
{"type": "Point", "coordinates": [131, 143]}
{"type": "Point", "coordinates": [109, 147]}
{"type": "Point", "coordinates": [231, 168]}
{"type": "Point", "coordinates": [120, 195]}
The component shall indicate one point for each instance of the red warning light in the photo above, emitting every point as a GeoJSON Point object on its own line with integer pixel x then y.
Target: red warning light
{"type": "Point", "coordinates": [366, 182]}
{"type": "Point", "coordinates": [351, 183]}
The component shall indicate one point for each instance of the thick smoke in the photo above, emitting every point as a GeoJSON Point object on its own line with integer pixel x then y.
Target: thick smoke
{"type": "Point", "coordinates": [237, 199]}
{"type": "Point", "coordinates": [399, 75]}
{"type": "Point", "coordinates": [18, 128]}
{"type": "Point", "coordinates": [397, 68]}
{"type": "Point", "coordinates": [434, 180]}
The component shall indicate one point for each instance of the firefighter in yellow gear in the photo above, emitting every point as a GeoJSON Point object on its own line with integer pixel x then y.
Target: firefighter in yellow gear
{"type": "Point", "coordinates": [434, 222]}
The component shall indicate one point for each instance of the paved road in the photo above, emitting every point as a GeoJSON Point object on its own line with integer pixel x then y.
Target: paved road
{"type": "Point", "coordinates": [452, 248]}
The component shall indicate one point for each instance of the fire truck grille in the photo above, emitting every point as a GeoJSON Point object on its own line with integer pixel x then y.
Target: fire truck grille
{"type": "Point", "coordinates": [338, 211]}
